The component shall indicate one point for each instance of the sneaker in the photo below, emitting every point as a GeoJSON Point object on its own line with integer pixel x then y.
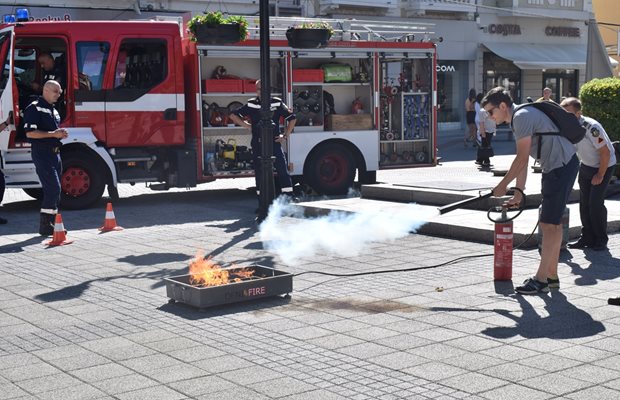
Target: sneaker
{"type": "Point", "coordinates": [580, 244]}
{"type": "Point", "coordinates": [532, 286]}
{"type": "Point", "coordinates": [553, 283]}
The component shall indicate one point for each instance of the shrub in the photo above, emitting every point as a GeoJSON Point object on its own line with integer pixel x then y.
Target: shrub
{"type": "Point", "coordinates": [600, 99]}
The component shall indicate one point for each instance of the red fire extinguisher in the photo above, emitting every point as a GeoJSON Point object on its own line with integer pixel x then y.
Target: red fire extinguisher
{"type": "Point", "coordinates": [503, 237]}
{"type": "Point", "coordinates": [502, 244]}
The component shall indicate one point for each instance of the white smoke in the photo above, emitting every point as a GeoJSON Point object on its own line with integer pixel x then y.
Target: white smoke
{"type": "Point", "coordinates": [338, 233]}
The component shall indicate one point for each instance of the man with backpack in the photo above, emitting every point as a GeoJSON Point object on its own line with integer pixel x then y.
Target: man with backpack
{"type": "Point", "coordinates": [598, 161]}
{"type": "Point", "coordinates": [537, 135]}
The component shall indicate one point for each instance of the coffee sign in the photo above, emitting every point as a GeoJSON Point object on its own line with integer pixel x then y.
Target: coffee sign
{"type": "Point", "coordinates": [565, 31]}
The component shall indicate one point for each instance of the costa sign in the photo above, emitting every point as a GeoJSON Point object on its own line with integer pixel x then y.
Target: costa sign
{"type": "Point", "coordinates": [504, 29]}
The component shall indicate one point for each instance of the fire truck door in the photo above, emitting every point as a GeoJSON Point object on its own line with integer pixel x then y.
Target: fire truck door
{"type": "Point", "coordinates": [6, 81]}
{"type": "Point", "coordinates": [141, 106]}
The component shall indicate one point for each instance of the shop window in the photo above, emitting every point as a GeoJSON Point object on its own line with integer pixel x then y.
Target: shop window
{"type": "Point", "coordinates": [451, 93]}
{"type": "Point", "coordinates": [501, 72]}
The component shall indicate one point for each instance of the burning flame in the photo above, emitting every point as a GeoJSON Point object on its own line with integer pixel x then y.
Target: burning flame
{"type": "Point", "coordinates": [205, 272]}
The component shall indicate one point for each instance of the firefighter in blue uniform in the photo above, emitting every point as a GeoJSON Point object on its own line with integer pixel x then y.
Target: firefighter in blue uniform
{"type": "Point", "coordinates": [252, 111]}
{"type": "Point", "coordinates": [41, 121]}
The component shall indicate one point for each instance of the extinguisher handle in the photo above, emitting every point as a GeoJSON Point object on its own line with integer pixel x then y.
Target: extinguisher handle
{"type": "Point", "coordinates": [503, 211]}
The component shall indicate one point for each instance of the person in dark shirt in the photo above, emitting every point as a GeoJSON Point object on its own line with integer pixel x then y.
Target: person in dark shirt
{"type": "Point", "coordinates": [252, 111]}
{"type": "Point", "coordinates": [50, 70]}
{"type": "Point", "coordinates": [41, 123]}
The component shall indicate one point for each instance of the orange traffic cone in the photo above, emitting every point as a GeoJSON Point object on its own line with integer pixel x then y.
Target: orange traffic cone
{"type": "Point", "coordinates": [60, 237]}
{"type": "Point", "coordinates": [109, 224]}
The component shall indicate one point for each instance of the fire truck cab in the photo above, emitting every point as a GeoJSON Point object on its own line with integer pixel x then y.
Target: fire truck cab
{"type": "Point", "coordinates": [144, 103]}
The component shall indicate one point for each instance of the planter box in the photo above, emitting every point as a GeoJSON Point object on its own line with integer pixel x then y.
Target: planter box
{"type": "Point", "coordinates": [221, 34]}
{"type": "Point", "coordinates": [307, 38]}
{"type": "Point", "coordinates": [349, 122]}
{"type": "Point", "coordinates": [222, 85]}
{"type": "Point", "coordinates": [308, 75]}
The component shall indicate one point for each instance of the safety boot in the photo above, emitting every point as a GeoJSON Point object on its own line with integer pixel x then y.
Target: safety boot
{"type": "Point", "coordinates": [46, 224]}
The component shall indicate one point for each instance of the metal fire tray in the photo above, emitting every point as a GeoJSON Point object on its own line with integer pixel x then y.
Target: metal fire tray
{"type": "Point", "coordinates": [265, 282]}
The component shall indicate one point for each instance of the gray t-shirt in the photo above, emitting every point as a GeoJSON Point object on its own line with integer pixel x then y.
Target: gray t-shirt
{"type": "Point", "coordinates": [556, 151]}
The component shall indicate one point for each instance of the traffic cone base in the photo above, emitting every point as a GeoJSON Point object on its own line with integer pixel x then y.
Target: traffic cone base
{"type": "Point", "coordinates": [60, 236]}
{"type": "Point", "coordinates": [109, 224]}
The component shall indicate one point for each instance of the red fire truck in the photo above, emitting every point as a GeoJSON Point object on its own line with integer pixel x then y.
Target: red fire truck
{"type": "Point", "coordinates": [144, 103]}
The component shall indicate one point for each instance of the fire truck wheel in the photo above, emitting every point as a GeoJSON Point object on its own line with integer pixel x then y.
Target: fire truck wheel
{"type": "Point", "coordinates": [82, 182]}
{"type": "Point", "coordinates": [35, 193]}
{"type": "Point", "coordinates": [330, 169]}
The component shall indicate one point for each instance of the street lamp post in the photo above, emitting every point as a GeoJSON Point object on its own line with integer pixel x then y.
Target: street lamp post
{"type": "Point", "coordinates": [266, 186]}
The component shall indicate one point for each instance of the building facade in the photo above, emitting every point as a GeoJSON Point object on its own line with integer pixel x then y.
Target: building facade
{"type": "Point", "coordinates": [524, 45]}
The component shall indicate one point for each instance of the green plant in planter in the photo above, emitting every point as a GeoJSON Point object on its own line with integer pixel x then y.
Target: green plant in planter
{"type": "Point", "coordinates": [316, 25]}
{"type": "Point", "coordinates": [212, 27]}
{"type": "Point", "coordinates": [309, 35]}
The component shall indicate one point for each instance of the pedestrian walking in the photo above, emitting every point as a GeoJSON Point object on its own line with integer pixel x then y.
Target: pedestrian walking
{"type": "Point", "coordinates": [546, 95]}
{"type": "Point", "coordinates": [559, 164]}
{"type": "Point", "coordinates": [252, 111]}
{"type": "Point", "coordinates": [470, 117]}
{"type": "Point", "coordinates": [41, 123]}
{"type": "Point", "coordinates": [486, 130]}
{"type": "Point", "coordinates": [598, 162]}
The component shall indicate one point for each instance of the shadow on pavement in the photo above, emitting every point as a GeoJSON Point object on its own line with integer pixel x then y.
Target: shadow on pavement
{"type": "Point", "coordinates": [153, 259]}
{"type": "Point", "coordinates": [565, 321]}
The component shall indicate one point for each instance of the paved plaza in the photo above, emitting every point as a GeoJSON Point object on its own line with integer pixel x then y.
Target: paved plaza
{"type": "Point", "coordinates": [91, 320]}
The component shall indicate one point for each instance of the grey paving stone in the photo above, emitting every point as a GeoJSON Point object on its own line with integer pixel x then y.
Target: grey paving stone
{"type": "Point", "coordinates": [236, 393]}
{"type": "Point", "coordinates": [594, 393]}
{"type": "Point", "coordinates": [473, 382]}
{"type": "Point", "coordinates": [308, 332]}
{"type": "Point", "coordinates": [48, 383]}
{"type": "Point", "coordinates": [77, 392]}
{"type": "Point", "coordinates": [201, 352]}
{"type": "Point", "coordinates": [10, 391]}
{"type": "Point", "coordinates": [590, 373]}
{"type": "Point", "coordinates": [473, 361]}
{"type": "Point", "coordinates": [335, 341]}
{"type": "Point", "coordinates": [512, 372]}
{"type": "Point", "coordinates": [84, 360]}
{"type": "Point", "coordinates": [515, 392]}
{"type": "Point", "coordinates": [250, 375]}
{"type": "Point", "coordinates": [175, 373]}
{"type": "Point", "coordinates": [282, 387]}
{"type": "Point", "coordinates": [126, 352]}
{"type": "Point", "coordinates": [398, 360]}
{"type": "Point", "coordinates": [365, 350]}
{"type": "Point", "coordinates": [35, 370]}
{"type": "Point", "coordinates": [126, 383]}
{"type": "Point", "coordinates": [152, 393]}
{"type": "Point", "coordinates": [549, 362]}
{"type": "Point", "coordinates": [434, 371]}
{"type": "Point", "coordinates": [556, 383]}
{"type": "Point", "coordinates": [203, 385]}
{"type": "Point", "coordinates": [222, 364]}
{"type": "Point", "coordinates": [150, 363]}
{"type": "Point", "coordinates": [101, 372]}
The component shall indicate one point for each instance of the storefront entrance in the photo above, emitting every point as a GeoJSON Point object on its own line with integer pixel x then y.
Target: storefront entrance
{"type": "Point", "coordinates": [563, 83]}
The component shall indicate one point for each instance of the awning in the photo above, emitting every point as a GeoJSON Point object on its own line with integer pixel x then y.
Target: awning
{"type": "Point", "coordinates": [541, 56]}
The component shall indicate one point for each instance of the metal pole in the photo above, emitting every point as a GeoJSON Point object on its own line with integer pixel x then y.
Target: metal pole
{"type": "Point", "coordinates": [266, 125]}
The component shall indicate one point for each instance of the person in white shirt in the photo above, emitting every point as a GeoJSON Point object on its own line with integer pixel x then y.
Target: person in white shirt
{"type": "Point", "coordinates": [598, 161]}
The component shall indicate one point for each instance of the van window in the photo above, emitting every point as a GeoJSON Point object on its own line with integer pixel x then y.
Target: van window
{"type": "Point", "coordinates": [92, 58]}
{"type": "Point", "coordinates": [141, 64]}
